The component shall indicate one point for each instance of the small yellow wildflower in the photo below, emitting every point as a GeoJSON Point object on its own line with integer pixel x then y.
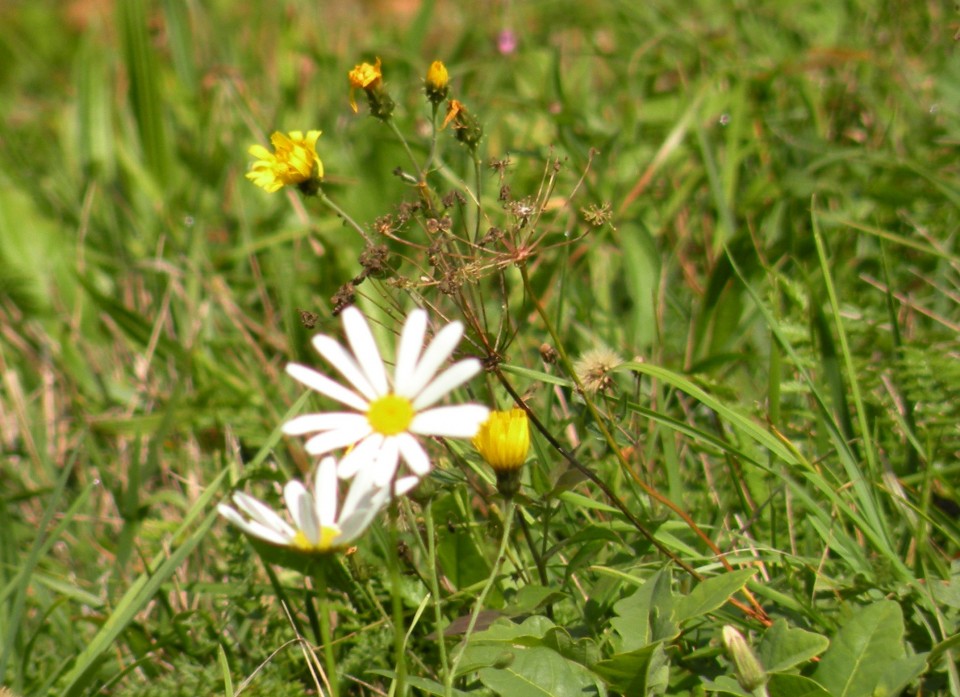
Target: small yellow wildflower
{"type": "Point", "coordinates": [364, 77]}
{"type": "Point", "coordinates": [437, 79]}
{"type": "Point", "coordinates": [504, 439]}
{"type": "Point", "coordinates": [293, 162]}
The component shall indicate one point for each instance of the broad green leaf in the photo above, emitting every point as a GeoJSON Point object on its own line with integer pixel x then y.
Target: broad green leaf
{"type": "Point", "coordinates": [725, 685]}
{"type": "Point", "coordinates": [506, 631]}
{"type": "Point", "coordinates": [786, 685]}
{"type": "Point", "coordinates": [538, 672]}
{"type": "Point", "coordinates": [647, 615]}
{"type": "Point", "coordinates": [862, 651]}
{"type": "Point", "coordinates": [897, 675]}
{"type": "Point", "coordinates": [640, 672]}
{"type": "Point", "coordinates": [782, 647]}
{"type": "Point", "coordinates": [710, 594]}
{"type": "Point", "coordinates": [430, 687]}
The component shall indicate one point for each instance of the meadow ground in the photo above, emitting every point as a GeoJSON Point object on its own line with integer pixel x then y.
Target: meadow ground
{"type": "Point", "coordinates": [709, 247]}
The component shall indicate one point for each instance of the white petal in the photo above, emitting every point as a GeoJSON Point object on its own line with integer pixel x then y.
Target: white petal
{"type": "Point", "coordinates": [405, 484]}
{"type": "Point", "coordinates": [460, 421]}
{"type": "Point", "coordinates": [252, 528]}
{"type": "Point", "coordinates": [365, 349]}
{"type": "Point", "coordinates": [325, 386]}
{"type": "Point", "coordinates": [262, 513]}
{"type": "Point", "coordinates": [408, 351]}
{"type": "Point", "coordinates": [325, 490]}
{"type": "Point", "coordinates": [293, 492]}
{"type": "Point", "coordinates": [413, 454]}
{"type": "Point", "coordinates": [362, 492]}
{"type": "Point", "coordinates": [447, 381]}
{"type": "Point", "coordinates": [340, 359]}
{"type": "Point", "coordinates": [330, 421]}
{"type": "Point", "coordinates": [340, 438]}
{"type": "Point", "coordinates": [365, 510]}
{"type": "Point", "coordinates": [361, 456]}
{"type": "Point", "coordinates": [388, 458]}
{"type": "Point", "coordinates": [436, 354]}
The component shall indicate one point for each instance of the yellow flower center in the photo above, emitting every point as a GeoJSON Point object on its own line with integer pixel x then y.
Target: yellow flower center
{"type": "Point", "coordinates": [390, 414]}
{"type": "Point", "coordinates": [325, 544]}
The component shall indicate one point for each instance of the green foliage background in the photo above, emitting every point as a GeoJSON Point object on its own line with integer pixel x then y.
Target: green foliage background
{"type": "Point", "coordinates": [779, 270]}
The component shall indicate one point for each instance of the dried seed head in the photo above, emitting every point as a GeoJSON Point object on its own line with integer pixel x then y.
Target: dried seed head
{"type": "Point", "coordinates": [594, 367]}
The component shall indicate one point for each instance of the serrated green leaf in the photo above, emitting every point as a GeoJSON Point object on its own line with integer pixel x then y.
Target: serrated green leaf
{"type": "Point", "coordinates": [783, 647]}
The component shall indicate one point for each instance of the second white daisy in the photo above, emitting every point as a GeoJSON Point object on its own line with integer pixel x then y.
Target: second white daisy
{"type": "Point", "coordinates": [318, 526]}
{"type": "Point", "coordinates": [387, 413]}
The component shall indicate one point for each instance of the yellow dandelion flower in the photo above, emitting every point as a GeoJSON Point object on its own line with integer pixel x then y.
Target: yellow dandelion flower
{"type": "Point", "coordinates": [293, 161]}
{"type": "Point", "coordinates": [504, 439]}
{"type": "Point", "coordinates": [364, 77]}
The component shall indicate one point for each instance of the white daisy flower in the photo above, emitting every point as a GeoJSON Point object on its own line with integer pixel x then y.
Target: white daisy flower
{"type": "Point", "coordinates": [387, 413]}
{"type": "Point", "coordinates": [317, 528]}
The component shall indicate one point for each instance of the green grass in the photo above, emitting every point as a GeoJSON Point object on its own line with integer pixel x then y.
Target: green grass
{"type": "Point", "coordinates": [755, 207]}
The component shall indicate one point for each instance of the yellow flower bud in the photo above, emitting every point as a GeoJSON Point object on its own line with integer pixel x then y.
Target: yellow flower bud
{"type": "Point", "coordinates": [437, 79]}
{"type": "Point", "coordinates": [504, 439]}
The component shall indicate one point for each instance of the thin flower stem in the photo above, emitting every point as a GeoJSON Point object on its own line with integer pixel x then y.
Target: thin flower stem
{"type": "Point", "coordinates": [325, 200]}
{"type": "Point", "coordinates": [477, 174]}
{"type": "Point", "coordinates": [437, 606]}
{"type": "Point", "coordinates": [434, 139]}
{"type": "Point", "coordinates": [508, 517]}
{"type": "Point", "coordinates": [325, 633]}
{"type": "Point", "coordinates": [406, 146]}
{"type": "Point", "coordinates": [399, 688]}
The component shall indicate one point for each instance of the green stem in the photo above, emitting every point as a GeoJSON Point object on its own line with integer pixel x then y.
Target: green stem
{"type": "Point", "coordinates": [325, 200]}
{"type": "Point", "coordinates": [477, 174]}
{"type": "Point", "coordinates": [508, 517]}
{"type": "Point", "coordinates": [396, 598]}
{"type": "Point", "coordinates": [437, 606]}
{"type": "Point", "coordinates": [325, 633]}
{"type": "Point", "coordinates": [406, 146]}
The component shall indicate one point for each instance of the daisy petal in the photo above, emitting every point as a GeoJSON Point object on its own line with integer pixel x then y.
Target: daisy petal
{"type": "Point", "coordinates": [362, 455]}
{"type": "Point", "coordinates": [411, 344]}
{"type": "Point", "coordinates": [293, 492]}
{"type": "Point", "coordinates": [385, 466]}
{"type": "Point", "coordinates": [262, 513]}
{"type": "Point", "coordinates": [404, 484]}
{"type": "Point", "coordinates": [365, 509]}
{"type": "Point", "coordinates": [363, 492]}
{"type": "Point", "coordinates": [365, 349]}
{"type": "Point", "coordinates": [325, 386]}
{"type": "Point", "coordinates": [313, 423]}
{"type": "Point", "coordinates": [461, 421]}
{"type": "Point", "coordinates": [325, 491]}
{"type": "Point", "coordinates": [340, 438]}
{"type": "Point", "coordinates": [340, 359]}
{"type": "Point", "coordinates": [252, 528]}
{"type": "Point", "coordinates": [447, 381]}
{"type": "Point", "coordinates": [413, 454]}
{"type": "Point", "coordinates": [437, 352]}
